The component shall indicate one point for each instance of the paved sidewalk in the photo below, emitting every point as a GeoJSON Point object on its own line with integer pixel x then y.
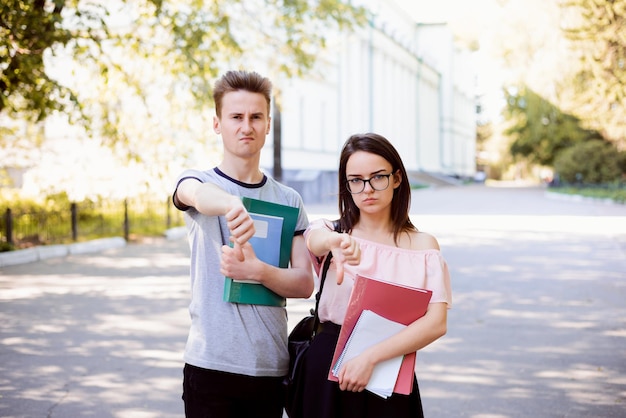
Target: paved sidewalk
{"type": "Point", "coordinates": [538, 327]}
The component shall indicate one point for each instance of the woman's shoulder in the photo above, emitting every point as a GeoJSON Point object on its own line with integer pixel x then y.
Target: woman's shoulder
{"type": "Point", "coordinates": [411, 243]}
{"type": "Point", "coordinates": [419, 240]}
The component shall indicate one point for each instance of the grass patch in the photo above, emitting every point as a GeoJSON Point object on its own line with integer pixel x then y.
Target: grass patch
{"type": "Point", "coordinates": [614, 193]}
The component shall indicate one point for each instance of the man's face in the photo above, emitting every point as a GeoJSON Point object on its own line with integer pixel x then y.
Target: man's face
{"type": "Point", "coordinates": [244, 123]}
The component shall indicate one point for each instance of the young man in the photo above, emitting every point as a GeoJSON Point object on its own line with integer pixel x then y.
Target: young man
{"type": "Point", "coordinates": [236, 354]}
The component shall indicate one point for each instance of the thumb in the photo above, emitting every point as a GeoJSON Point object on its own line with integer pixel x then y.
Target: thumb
{"type": "Point", "coordinates": [239, 253]}
{"type": "Point", "coordinates": [247, 250]}
{"type": "Point", "coordinates": [340, 271]}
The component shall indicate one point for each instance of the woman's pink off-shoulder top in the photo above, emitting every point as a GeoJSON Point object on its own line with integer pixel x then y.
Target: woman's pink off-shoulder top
{"type": "Point", "coordinates": [424, 269]}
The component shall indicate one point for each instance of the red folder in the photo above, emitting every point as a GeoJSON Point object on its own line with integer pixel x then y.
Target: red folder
{"type": "Point", "coordinates": [393, 301]}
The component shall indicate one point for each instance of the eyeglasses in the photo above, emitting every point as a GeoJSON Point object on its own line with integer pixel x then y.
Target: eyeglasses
{"type": "Point", "coordinates": [378, 182]}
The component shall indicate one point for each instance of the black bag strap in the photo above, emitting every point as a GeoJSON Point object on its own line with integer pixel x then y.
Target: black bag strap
{"type": "Point", "coordinates": [318, 295]}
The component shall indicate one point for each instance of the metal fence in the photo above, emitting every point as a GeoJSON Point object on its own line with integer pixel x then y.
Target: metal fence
{"type": "Point", "coordinates": [87, 220]}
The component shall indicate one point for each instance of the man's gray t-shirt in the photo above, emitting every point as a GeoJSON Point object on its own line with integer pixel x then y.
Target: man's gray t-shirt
{"type": "Point", "coordinates": [231, 337]}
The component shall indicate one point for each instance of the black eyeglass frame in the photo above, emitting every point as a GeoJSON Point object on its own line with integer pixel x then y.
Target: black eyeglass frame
{"type": "Point", "coordinates": [369, 180]}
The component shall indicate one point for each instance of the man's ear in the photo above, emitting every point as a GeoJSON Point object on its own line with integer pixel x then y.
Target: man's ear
{"type": "Point", "coordinates": [216, 125]}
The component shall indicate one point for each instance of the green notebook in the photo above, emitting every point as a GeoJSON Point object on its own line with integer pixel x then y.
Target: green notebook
{"type": "Point", "coordinates": [275, 225]}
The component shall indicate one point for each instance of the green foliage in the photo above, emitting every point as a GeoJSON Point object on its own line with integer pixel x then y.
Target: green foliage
{"type": "Point", "coordinates": [597, 29]}
{"type": "Point", "coordinates": [29, 30]}
{"type": "Point", "coordinates": [592, 162]}
{"type": "Point", "coordinates": [615, 193]}
{"type": "Point", "coordinates": [539, 130]}
{"type": "Point", "coordinates": [24, 84]}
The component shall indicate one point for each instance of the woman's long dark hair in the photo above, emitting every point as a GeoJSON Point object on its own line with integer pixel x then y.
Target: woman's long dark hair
{"type": "Point", "coordinates": [349, 213]}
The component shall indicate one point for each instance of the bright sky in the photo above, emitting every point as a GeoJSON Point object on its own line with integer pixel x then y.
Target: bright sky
{"type": "Point", "coordinates": [524, 32]}
{"type": "Point", "coordinates": [467, 13]}
{"type": "Point", "coordinates": [469, 20]}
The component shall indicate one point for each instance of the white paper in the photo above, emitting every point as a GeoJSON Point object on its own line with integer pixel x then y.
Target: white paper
{"type": "Point", "coordinates": [369, 330]}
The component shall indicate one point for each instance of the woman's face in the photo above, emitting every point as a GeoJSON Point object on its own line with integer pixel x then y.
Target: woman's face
{"type": "Point", "coordinates": [371, 173]}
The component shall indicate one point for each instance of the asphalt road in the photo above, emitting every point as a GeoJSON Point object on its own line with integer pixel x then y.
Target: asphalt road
{"type": "Point", "coordinates": [537, 328]}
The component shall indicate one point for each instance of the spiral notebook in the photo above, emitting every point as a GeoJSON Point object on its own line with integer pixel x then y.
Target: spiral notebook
{"type": "Point", "coordinates": [369, 330]}
{"type": "Point", "coordinates": [393, 301]}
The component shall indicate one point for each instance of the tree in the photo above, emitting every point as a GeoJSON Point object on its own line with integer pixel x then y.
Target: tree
{"type": "Point", "coordinates": [27, 30]}
{"type": "Point", "coordinates": [191, 41]}
{"type": "Point", "coordinates": [591, 162]}
{"type": "Point", "coordinates": [597, 30]}
{"type": "Point", "coordinates": [540, 130]}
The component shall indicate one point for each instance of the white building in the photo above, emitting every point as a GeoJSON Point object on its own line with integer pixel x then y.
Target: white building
{"type": "Point", "coordinates": [403, 80]}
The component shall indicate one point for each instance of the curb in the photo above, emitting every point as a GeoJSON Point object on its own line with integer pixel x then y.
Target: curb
{"type": "Point", "coordinates": [44, 252]}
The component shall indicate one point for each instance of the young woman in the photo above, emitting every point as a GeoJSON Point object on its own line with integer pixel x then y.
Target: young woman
{"type": "Point", "coordinates": [377, 239]}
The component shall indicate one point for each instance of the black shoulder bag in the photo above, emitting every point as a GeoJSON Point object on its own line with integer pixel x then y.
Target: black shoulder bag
{"type": "Point", "coordinates": [298, 343]}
